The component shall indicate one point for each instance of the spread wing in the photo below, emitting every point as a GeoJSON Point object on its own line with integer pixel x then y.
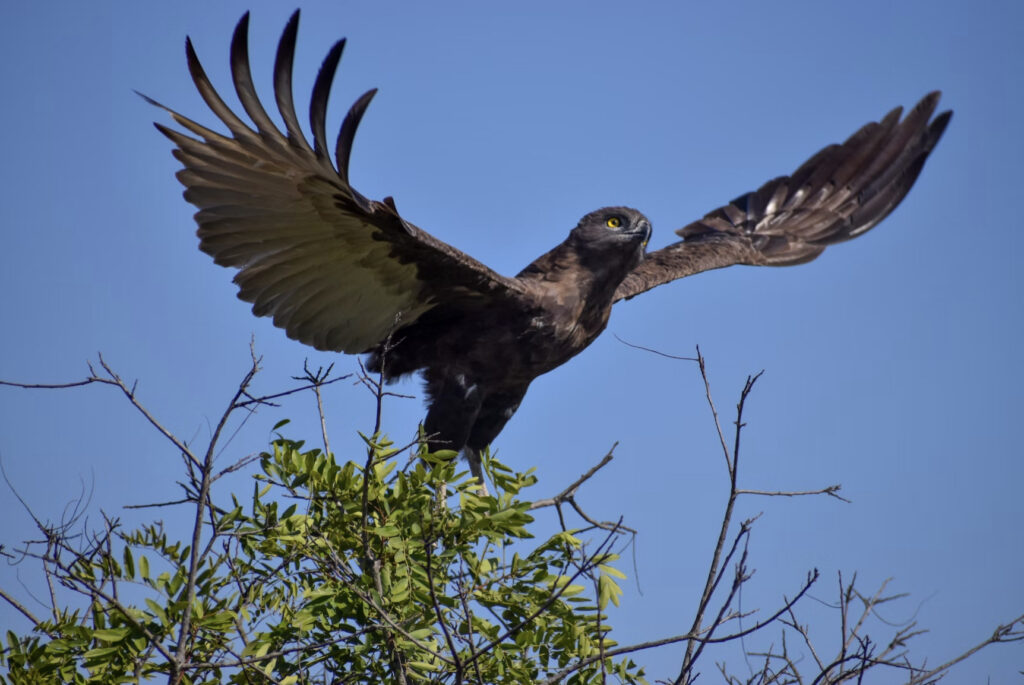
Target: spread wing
{"type": "Point", "coordinates": [836, 195]}
{"type": "Point", "coordinates": [335, 270]}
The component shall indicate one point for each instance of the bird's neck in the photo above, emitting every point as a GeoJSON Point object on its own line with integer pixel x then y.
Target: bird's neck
{"type": "Point", "coordinates": [569, 277]}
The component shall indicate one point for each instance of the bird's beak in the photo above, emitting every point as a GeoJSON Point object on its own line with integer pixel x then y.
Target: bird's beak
{"type": "Point", "coordinates": [647, 234]}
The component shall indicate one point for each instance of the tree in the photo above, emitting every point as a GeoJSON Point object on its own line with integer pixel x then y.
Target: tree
{"type": "Point", "coordinates": [335, 571]}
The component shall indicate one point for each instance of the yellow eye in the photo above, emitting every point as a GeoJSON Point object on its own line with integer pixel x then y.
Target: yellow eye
{"type": "Point", "coordinates": [613, 222]}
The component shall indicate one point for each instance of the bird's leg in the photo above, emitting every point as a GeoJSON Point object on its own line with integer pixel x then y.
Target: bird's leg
{"type": "Point", "coordinates": [476, 467]}
{"type": "Point", "coordinates": [454, 403]}
{"type": "Point", "coordinates": [497, 408]}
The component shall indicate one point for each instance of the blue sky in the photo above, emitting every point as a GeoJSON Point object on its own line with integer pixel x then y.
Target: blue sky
{"type": "Point", "coordinates": [892, 362]}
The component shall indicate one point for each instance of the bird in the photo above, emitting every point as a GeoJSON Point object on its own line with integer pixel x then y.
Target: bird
{"type": "Point", "coordinates": [344, 273]}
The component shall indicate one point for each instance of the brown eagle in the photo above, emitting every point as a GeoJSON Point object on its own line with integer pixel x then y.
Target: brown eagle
{"type": "Point", "coordinates": [345, 273]}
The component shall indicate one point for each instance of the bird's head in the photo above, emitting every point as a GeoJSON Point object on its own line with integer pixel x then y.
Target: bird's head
{"type": "Point", "coordinates": [617, 230]}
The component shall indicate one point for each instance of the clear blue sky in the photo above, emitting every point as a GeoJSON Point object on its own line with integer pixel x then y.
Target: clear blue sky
{"type": "Point", "coordinates": [893, 363]}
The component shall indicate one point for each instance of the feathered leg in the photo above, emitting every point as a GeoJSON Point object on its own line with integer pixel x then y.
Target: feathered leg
{"type": "Point", "coordinates": [494, 413]}
{"type": "Point", "coordinates": [455, 402]}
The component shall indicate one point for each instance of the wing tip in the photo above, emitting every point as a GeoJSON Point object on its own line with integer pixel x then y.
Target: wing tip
{"type": "Point", "coordinates": [148, 99]}
{"type": "Point", "coordinates": [938, 125]}
{"type": "Point", "coordinates": [240, 39]}
{"type": "Point", "coordinates": [320, 96]}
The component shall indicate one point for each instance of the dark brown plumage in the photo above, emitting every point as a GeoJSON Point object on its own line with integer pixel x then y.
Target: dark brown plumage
{"type": "Point", "coordinates": [341, 272]}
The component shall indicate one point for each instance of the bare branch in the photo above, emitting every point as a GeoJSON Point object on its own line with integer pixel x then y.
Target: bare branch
{"type": "Point", "coordinates": [54, 386]}
{"type": "Point", "coordinates": [265, 399]}
{"type": "Point", "coordinates": [831, 490]}
{"type": "Point", "coordinates": [17, 605]}
{"type": "Point", "coordinates": [158, 505]}
{"type": "Point", "coordinates": [1007, 632]}
{"type": "Point", "coordinates": [714, 413]}
{"type": "Point", "coordinates": [691, 637]}
{"type": "Point", "coordinates": [657, 352]}
{"type": "Point", "coordinates": [732, 462]}
{"type": "Point", "coordinates": [195, 558]}
{"type": "Point", "coordinates": [130, 394]}
{"type": "Point", "coordinates": [115, 380]}
{"type": "Point", "coordinates": [571, 490]}
{"type": "Point", "coordinates": [316, 380]}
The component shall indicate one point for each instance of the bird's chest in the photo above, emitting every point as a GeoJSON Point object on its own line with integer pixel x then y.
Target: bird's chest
{"type": "Point", "coordinates": [562, 332]}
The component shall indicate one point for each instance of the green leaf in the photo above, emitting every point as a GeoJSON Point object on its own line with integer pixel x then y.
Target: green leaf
{"type": "Point", "coordinates": [256, 649]}
{"type": "Point", "coordinates": [607, 589]}
{"type": "Point", "coordinates": [157, 611]}
{"type": "Point", "coordinates": [382, 469]}
{"type": "Point", "coordinates": [611, 571]}
{"type": "Point", "coordinates": [129, 562]}
{"type": "Point", "coordinates": [94, 654]}
{"type": "Point", "coordinates": [111, 634]}
{"type": "Point", "coordinates": [422, 633]}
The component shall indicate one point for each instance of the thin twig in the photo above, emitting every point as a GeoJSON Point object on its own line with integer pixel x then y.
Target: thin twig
{"type": "Point", "coordinates": [831, 491]}
{"type": "Point", "coordinates": [265, 399]}
{"type": "Point", "coordinates": [568, 492]}
{"type": "Point", "coordinates": [195, 558]}
{"type": "Point", "coordinates": [692, 636]}
{"type": "Point", "coordinates": [316, 380]}
{"type": "Point", "coordinates": [428, 543]}
{"type": "Point", "coordinates": [657, 352]}
{"type": "Point", "coordinates": [732, 463]}
{"type": "Point", "coordinates": [14, 603]}
{"type": "Point", "coordinates": [1002, 634]}
{"type": "Point", "coordinates": [155, 505]}
{"type": "Point", "coordinates": [130, 394]}
{"type": "Point", "coordinates": [714, 411]}
{"type": "Point", "coordinates": [463, 595]}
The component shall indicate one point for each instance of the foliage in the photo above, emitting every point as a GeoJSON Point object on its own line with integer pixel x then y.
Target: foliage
{"type": "Point", "coordinates": [333, 572]}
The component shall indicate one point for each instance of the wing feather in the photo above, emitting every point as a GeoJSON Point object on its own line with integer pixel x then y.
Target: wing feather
{"type": "Point", "coordinates": [839, 193]}
{"type": "Point", "coordinates": [283, 62]}
{"type": "Point", "coordinates": [332, 268]}
{"type": "Point", "coordinates": [241, 74]}
{"type": "Point", "coordinates": [343, 148]}
{"type": "Point", "coordinates": [318, 101]}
